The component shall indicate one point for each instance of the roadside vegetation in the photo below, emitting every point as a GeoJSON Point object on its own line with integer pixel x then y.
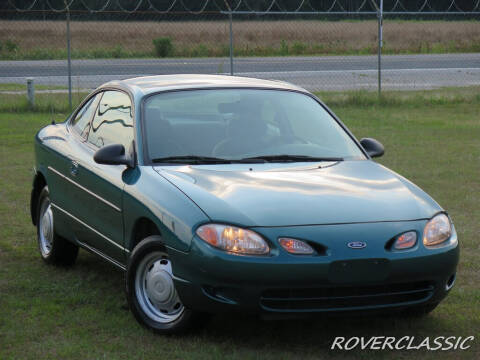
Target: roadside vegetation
{"type": "Point", "coordinates": [12, 87]}
{"type": "Point", "coordinates": [431, 137]}
{"type": "Point", "coordinates": [45, 102]}
{"type": "Point", "coordinates": [56, 104]}
{"type": "Point", "coordinates": [39, 40]}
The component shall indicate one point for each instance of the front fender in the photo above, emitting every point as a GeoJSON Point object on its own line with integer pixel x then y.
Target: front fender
{"type": "Point", "coordinates": [149, 195]}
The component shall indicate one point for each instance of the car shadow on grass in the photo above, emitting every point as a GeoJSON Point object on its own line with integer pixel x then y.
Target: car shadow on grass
{"type": "Point", "coordinates": [249, 331]}
{"type": "Point", "coordinates": [316, 331]}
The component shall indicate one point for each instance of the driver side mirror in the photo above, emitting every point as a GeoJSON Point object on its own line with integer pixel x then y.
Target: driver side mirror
{"type": "Point", "coordinates": [113, 154]}
{"type": "Point", "coordinates": [373, 147]}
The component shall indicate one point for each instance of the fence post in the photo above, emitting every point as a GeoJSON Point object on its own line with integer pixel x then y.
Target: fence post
{"type": "Point", "coordinates": [69, 59]}
{"type": "Point", "coordinates": [380, 45]}
{"type": "Point", "coordinates": [31, 92]}
{"type": "Point", "coordinates": [230, 18]}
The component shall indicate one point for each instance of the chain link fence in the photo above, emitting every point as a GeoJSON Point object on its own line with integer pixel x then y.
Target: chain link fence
{"type": "Point", "coordinates": [321, 45]}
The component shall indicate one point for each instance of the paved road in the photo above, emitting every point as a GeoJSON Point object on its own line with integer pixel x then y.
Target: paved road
{"type": "Point", "coordinates": [314, 73]}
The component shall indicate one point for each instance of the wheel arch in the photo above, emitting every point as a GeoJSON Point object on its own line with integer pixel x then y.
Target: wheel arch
{"type": "Point", "coordinates": [39, 182]}
{"type": "Point", "coordinates": [142, 228]}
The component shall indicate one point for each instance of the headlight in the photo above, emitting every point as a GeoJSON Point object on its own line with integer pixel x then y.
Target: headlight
{"type": "Point", "coordinates": [233, 239]}
{"type": "Point", "coordinates": [437, 230]}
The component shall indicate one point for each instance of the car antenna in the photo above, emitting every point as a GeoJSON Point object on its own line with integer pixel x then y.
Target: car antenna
{"type": "Point", "coordinates": [53, 117]}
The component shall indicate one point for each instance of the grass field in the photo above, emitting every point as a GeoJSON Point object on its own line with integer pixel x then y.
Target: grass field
{"type": "Point", "coordinates": [22, 87]}
{"type": "Point", "coordinates": [47, 39]}
{"type": "Point", "coordinates": [80, 313]}
{"type": "Point", "coordinates": [54, 103]}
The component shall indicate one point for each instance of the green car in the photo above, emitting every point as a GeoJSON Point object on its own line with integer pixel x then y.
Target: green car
{"type": "Point", "coordinates": [218, 194]}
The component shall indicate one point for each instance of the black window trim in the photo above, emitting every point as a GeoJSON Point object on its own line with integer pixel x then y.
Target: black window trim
{"type": "Point", "coordinates": [71, 126]}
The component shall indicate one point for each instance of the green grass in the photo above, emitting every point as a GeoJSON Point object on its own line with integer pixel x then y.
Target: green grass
{"type": "Point", "coordinates": [53, 103]}
{"type": "Point", "coordinates": [420, 98]}
{"type": "Point", "coordinates": [79, 313]}
{"type": "Point", "coordinates": [42, 53]}
{"type": "Point", "coordinates": [23, 87]}
{"type": "Point", "coordinates": [57, 104]}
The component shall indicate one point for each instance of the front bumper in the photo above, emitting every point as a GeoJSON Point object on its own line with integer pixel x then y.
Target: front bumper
{"type": "Point", "coordinates": [340, 280]}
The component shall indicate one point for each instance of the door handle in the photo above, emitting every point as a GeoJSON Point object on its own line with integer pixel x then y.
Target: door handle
{"type": "Point", "coordinates": [74, 168]}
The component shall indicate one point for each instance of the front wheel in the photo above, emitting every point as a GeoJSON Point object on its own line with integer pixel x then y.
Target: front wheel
{"type": "Point", "coordinates": [151, 292]}
{"type": "Point", "coordinates": [53, 248]}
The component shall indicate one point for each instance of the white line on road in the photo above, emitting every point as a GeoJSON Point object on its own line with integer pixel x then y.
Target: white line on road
{"type": "Point", "coordinates": [425, 78]}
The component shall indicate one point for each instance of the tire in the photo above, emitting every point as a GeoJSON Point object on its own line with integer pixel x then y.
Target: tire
{"type": "Point", "coordinates": [53, 248]}
{"type": "Point", "coordinates": [420, 311]}
{"type": "Point", "coordinates": [165, 314]}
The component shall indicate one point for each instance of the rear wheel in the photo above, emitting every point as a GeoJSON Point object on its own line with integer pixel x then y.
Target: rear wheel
{"type": "Point", "coordinates": [151, 292]}
{"type": "Point", "coordinates": [53, 248]}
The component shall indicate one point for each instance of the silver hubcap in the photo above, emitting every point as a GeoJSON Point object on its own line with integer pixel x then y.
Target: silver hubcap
{"type": "Point", "coordinates": [46, 228]}
{"type": "Point", "coordinates": [155, 290]}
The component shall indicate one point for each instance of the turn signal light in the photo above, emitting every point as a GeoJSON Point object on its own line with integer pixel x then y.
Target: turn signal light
{"type": "Point", "coordinates": [295, 246]}
{"type": "Point", "coordinates": [405, 241]}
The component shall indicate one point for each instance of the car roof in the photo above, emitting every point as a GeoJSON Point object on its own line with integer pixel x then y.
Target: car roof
{"type": "Point", "coordinates": [151, 84]}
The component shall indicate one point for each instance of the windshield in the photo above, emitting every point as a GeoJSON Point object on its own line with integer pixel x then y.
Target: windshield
{"type": "Point", "coordinates": [236, 124]}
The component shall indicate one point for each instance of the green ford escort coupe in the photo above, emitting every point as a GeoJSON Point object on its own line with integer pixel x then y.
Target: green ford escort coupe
{"type": "Point", "coordinates": [218, 193]}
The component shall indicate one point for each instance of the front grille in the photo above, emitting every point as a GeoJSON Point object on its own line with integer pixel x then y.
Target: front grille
{"type": "Point", "coordinates": [345, 297]}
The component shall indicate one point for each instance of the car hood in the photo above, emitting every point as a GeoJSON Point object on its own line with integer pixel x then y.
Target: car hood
{"type": "Point", "coordinates": [301, 193]}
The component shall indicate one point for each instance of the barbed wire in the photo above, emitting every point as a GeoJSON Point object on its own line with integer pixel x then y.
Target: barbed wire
{"type": "Point", "coordinates": [102, 7]}
{"type": "Point", "coordinates": [283, 6]}
{"type": "Point", "coordinates": [400, 5]}
{"type": "Point", "coordinates": [253, 6]}
{"type": "Point", "coordinates": [167, 9]}
{"type": "Point", "coordinates": [199, 11]}
{"type": "Point", "coordinates": [363, 5]}
{"type": "Point", "coordinates": [122, 8]}
{"type": "Point", "coordinates": [66, 5]}
{"type": "Point", "coordinates": [424, 5]}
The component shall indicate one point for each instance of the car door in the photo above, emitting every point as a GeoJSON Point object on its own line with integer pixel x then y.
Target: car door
{"type": "Point", "coordinates": [98, 197]}
{"type": "Point", "coordinates": [62, 173]}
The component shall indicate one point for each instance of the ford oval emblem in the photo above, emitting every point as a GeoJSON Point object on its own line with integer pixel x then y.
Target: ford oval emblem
{"type": "Point", "coordinates": [357, 245]}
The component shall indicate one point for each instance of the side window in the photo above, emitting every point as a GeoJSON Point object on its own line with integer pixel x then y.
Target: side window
{"type": "Point", "coordinates": [81, 122]}
{"type": "Point", "coordinates": [113, 121]}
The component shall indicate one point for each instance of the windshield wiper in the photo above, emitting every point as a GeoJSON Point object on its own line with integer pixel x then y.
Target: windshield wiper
{"type": "Point", "coordinates": [289, 158]}
{"type": "Point", "coordinates": [191, 159]}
